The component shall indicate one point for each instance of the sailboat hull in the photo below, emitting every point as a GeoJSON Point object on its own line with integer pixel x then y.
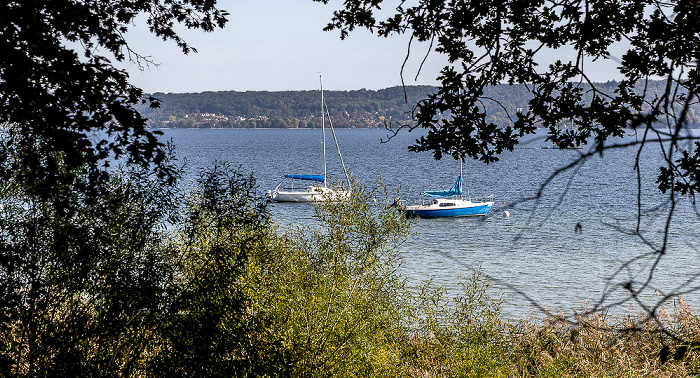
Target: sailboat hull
{"type": "Point", "coordinates": [294, 197]}
{"type": "Point", "coordinates": [449, 208]}
{"type": "Point", "coordinates": [310, 194]}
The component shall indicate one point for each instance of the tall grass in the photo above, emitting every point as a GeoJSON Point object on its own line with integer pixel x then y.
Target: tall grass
{"type": "Point", "coordinates": [596, 345]}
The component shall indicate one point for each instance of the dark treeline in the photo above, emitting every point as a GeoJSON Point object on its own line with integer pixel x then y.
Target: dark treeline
{"type": "Point", "coordinates": [359, 108]}
{"type": "Point", "coordinates": [286, 109]}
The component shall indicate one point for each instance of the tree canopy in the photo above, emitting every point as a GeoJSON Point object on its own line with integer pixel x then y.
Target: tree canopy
{"type": "Point", "coordinates": [58, 84]}
{"type": "Point", "coordinates": [495, 42]}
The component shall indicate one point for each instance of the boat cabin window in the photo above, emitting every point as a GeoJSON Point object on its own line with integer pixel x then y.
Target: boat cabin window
{"type": "Point", "coordinates": [447, 204]}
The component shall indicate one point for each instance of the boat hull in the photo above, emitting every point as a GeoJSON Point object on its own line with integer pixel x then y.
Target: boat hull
{"type": "Point", "coordinates": [310, 194]}
{"type": "Point", "coordinates": [294, 197]}
{"type": "Point", "coordinates": [441, 208]}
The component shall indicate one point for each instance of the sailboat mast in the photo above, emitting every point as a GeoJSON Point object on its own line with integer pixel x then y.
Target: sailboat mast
{"type": "Point", "coordinates": [323, 132]}
{"type": "Point", "coordinates": [461, 180]}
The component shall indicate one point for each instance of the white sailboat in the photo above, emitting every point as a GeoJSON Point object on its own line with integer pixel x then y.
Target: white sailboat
{"type": "Point", "coordinates": [317, 190]}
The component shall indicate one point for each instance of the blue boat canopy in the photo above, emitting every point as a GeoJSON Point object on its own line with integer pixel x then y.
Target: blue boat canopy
{"type": "Point", "coordinates": [319, 178]}
{"type": "Point", "coordinates": [455, 191]}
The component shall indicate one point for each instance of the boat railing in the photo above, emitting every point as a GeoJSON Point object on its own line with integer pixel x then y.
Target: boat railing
{"type": "Point", "coordinates": [488, 198]}
{"type": "Point", "coordinates": [424, 200]}
{"type": "Point", "coordinates": [290, 184]}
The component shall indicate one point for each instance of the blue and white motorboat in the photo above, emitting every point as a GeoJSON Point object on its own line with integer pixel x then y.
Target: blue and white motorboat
{"type": "Point", "coordinates": [449, 203]}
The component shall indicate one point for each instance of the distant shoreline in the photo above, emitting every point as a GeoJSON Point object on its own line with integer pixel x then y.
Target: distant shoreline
{"type": "Point", "coordinates": [260, 128]}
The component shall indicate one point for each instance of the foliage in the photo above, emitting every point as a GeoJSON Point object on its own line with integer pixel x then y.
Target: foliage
{"type": "Point", "coordinates": [130, 284]}
{"type": "Point", "coordinates": [283, 109]}
{"type": "Point", "coordinates": [460, 336]}
{"type": "Point", "coordinates": [152, 281]}
{"type": "Point", "coordinates": [491, 43]}
{"type": "Point", "coordinates": [57, 89]}
{"type": "Point", "coordinates": [224, 225]}
{"type": "Point", "coordinates": [80, 291]}
{"type": "Point", "coordinates": [598, 345]}
{"type": "Point", "coordinates": [358, 108]}
{"type": "Point", "coordinates": [465, 337]}
{"type": "Point", "coordinates": [331, 297]}
{"type": "Point", "coordinates": [682, 175]}
{"type": "Point", "coordinates": [503, 42]}
{"type": "Point", "coordinates": [148, 280]}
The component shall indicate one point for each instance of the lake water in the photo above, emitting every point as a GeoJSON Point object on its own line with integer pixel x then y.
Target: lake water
{"type": "Point", "coordinates": [565, 250]}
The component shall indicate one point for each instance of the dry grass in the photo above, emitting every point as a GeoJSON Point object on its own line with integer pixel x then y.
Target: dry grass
{"type": "Point", "coordinates": [595, 345]}
{"type": "Point", "coordinates": [590, 345]}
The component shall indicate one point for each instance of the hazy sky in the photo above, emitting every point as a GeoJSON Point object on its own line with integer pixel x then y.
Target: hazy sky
{"type": "Point", "coordinates": [280, 45]}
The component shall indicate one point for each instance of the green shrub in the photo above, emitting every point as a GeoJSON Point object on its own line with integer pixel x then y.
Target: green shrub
{"type": "Point", "coordinates": [329, 298]}
{"type": "Point", "coordinates": [224, 226]}
{"type": "Point", "coordinates": [458, 337]}
{"type": "Point", "coordinates": [81, 285]}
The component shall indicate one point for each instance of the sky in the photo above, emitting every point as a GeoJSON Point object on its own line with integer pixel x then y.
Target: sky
{"type": "Point", "coordinates": [276, 45]}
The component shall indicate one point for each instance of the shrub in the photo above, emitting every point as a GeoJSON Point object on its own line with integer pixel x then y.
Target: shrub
{"type": "Point", "coordinates": [80, 286]}
{"type": "Point", "coordinates": [328, 299]}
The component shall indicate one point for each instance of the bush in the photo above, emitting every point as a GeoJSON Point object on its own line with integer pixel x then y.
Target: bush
{"type": "Point", "coordinates": [328, 297]}
{"type": "Point", "coordinates": [460, 336]}
{"type": "Point", "coordinates": [223, 228]}
{"type": "Point", "coordinates": [151, 280]}
{"type": "Point", "coordinates": [81, 286]}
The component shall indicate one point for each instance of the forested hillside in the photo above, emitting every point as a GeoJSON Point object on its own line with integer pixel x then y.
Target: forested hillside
{"type": "Point", "coordinates": [300, 109]}
{"type": "Point", "coordinates": [359, 108]}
